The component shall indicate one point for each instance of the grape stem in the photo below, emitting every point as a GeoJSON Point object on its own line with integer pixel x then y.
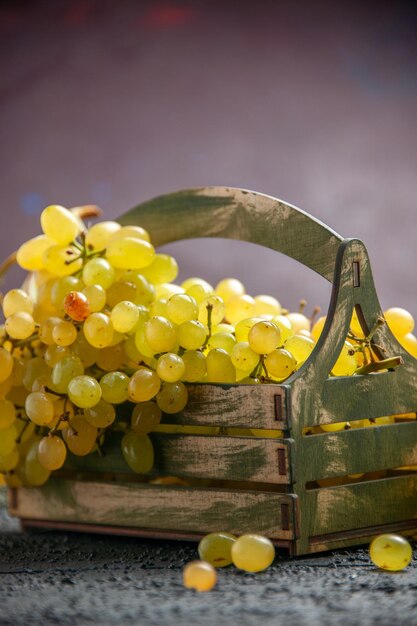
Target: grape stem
{"type": "Point", "coordinates": [209, 308]}
{"type": "Point", "coordinates": [377, 366]}
{"type": "Point", "coordinates": [19, 439]}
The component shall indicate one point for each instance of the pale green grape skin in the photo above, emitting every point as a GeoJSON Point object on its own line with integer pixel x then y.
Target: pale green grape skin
{"type": "Point", "coordinates": [172, 398]}
{"type": "Point", "coordinates": [20, 325]}
{"type": "Point", "coordinates": [39, 408]}
{"type": "Point", "coordinates": [124, 316]}
{"type": "Point", "coordinates": [52, 452]}
{"type": "Point", "coordinates": [346, 362]}
{"type": "Point", "coordinates": [59, 224]}
{"type": "Point", "coordinates": [143, 385]}
{"type": "Point", "coordinates": [46, 329]}
{"type": "Point", "coordinates": [239, 308]}
{"type": "Point", "coordinates": [220, 368]}
{"type": "Point", "coordinates": [62, 260]}
{"type": "Point", "coordinates": [243, 357]}
{"type": "Point", "coordinates": [191, 334]}
{"type": "Point", "coordinates": [229, 288]}
{"type": "Point", "coordinates": [114, 387]}
{"type": "Point", "coordinates": [99, 235]}
{"type": "Point", "coordinates": [216, 548]}
{"type": "Point", "coordinates": [7, 414]}
{"type": "Point", "coordinates": [6, 364]}
{"type": "Point", "coordinates": [101, 415]}
{"type": "Point", "coordinates": [138, 452]}
{"type": "Point", "coordinates": [146, 416]}
{"type": "Point", "coordinates": [280, 363]}
{"type": "Point", "coordinates": [9, 461]}
{"type": "Point", "coordinates": [253, 553]}
{"type": "Point", "coordinates": [267, 305]}
{"type": "Point", "coordinates": [98, 330]}
{"type": "Point", "coordinates": [84, 391]}
{"type": "Point", "coordinates": [61, 287]}
{"type": "Point", "coordinates": [98, 271]}
{"type": "Point", "coordinates": [181, 308]}
{"type": "Point", "coordinates": [390, 552]}
{"type": "Point", "coordinates": [96, 297]}
{"type": "Point", "coordinates": [64, 371]}
{"type": "Point", "coordinates": [8, 439]}
{"type": "Point", "coordinates": [54, 354]}
{"type": "Point", "coordinates": [15, 301]}
{"type": "Point", "coordinates": [80, 436]}
{"type": "Point", "coordinates": [217, 307]}
{"type": "Point", "coordinates": [84, 350]}
{"type": "Point", "coordinates": [300, 347]}
{"type": "Point", "coordinates": [195, 366]}
{"type": "Point", "coordinates": [111, 358]}
{"type": "Point", "coordinates": [64, 333]}
{"type": "Point", "coordinates": [264, 337]}
{"type": "Point", "coordinates": [35, 473]}
{"type": "Point", "coordinates": [170, 367]}
{"type": "Point", "coordinates": [284, 326]}
{"type": "Point", "coordinates": [33, 369]}
{"type": "Point", "coordinates": [163, 269]}
{"type": "Point", "coordinates": [30, 254]}
{"type": "Point", "coordinates": [160, 334]}
{"type": "Point", "coordinates": [130, 253]}
{"type": "Point", "coordinates": [225, 341]}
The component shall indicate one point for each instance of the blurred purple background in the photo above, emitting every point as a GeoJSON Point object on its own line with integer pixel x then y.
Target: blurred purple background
{"type": "Point", "coordinates": [314, 102]}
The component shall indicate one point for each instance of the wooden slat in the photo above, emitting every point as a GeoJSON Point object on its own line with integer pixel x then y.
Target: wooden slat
{"type": "Point", "coordinates": [157, 507]}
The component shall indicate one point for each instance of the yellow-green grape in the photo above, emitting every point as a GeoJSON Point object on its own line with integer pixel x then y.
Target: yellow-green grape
{"type": "Point", "coordinates": [131, 351]}
{"type": "Point", "coordinates": [386, 419]}
{"type": "Point", "coordinates": [318, 327]}
{"type": "Point", "coordinates": [284, 326]}
{"type": "Point", "coordinates": [84, 350]}
{"type": "Point", "coordinates": [400, 321]}
{"type": "Point", "coordinates": [243, 357]}
{"type": "Point", "coordinates": [99, 235]}
{"type": "Point", "coordinates": [360, 423]}
{"type": "Point", "coordinates": [220, 368]}
{"type": "Point", "coordinates": [16, 301]}
{"type": "Point", "coordinates": [124, 316]}
{"type": "Point", "coordinates": [355, 325]}
{"type": "Point", "coordinates": [264, 337]}
{"type": "Point", "coordinates": [101, 415]}
{"type": "Point", "coordinates": [64, 333]}
{"type": "Point", "coordinates": [80, 436]}
{"type": "Point", "coordinates": [173, 397]}
{"type": "Point", "coordinates": [192, 282]}
{"type": "Point", "coordinates": [54, 354]}
{"type": "Point", "coordinates": [223, 327]}
{"type": "Point", "coordinates": [170, 367]}
{"type": "Point", "coordinates": [267, 305]}
{"type": "Point", "coordinates": [163, 269]}
{"type": "Point", "coordinates": [158, 308]}
{"type": "Point", "coordinates": [166, 290]}
{"type": "Point", "coordinates": [35, 473]}
{"type": "Point", "coordinates": [300, 347]}
{"type": "Point", "coordinates": [98, 330]}
{"type": "Point", "coordinates": [96, 297]}
{"type": "Point", "coordinates": [409, 343]}
{"type": "Point", "coordinates": [8, 439]}
{"type": "Point", "coordinates": [8, 462]}
{"type": "Point", "coordinates": [199, 291]}
{"type": "Point", "coordinates": [225, 341]}
{"type": "Point", "coordinates": [59, 224]}
{"type": "Point", "coordinates": [114, 387]}
{"type": "Point", "coordinates": [299, 322]}
{"type": "Point", "coordinates": [84, 391]}
{"type": "Point", "coordinates": [46, 328]}
{"type": "Point", "coordinates": [142, 345]}
{"type": "Point", "coordinates": [64, 371]}
{"type": "Point", "coordinates": [195, 366]}
{"type": "Point", "coordinates": [6, 386]}
{"type": "Point", "coordinates": [160, 334]}
{"type": "Point", "coordinates": [20, 325]}
{"type": "Point", "coordinates": [98, 271]}
{"type": "Point", "coordinates": [137, 232]}
{"type": "Point", "coordinates": [121, 290]}
{"type": "Point", "coordinates": [6, 364]}
{"type": "Point", "coordinates": [130, 253]}
{"type": "Point", "coordinates": [229, 288]}
{"type": "Point", "coordinates": [144, 290]}
{"type": "Point", "coordinates": [30, 254]}
{"type": "Point", "coordinates": [216, 549]}
{"type": "Point", "coordinates": [7, 414]}
{"type": "Point", "coordinates": [334, 428]}
{"type": "Point", "coordinates": [146, 416]}
{"type": "Point", "coordinates": [18, 396]}
{"type": "Point", "coordinates": [63, 412]}
{"type": "Point", "coordinates": [390, 552]}
{"type": "Point", "coordinates": [112, 358]}
{"type": "Point", "coordinates": [181, 308]}
{"type": "Point", "coordinates": [33, 369]}
{"type": "Point", "coordinates": [39, 408]}
{"type": "Point", "coordinates": [52, 452]}
{"type": "Point", "coordinates": [61, 287]}
{"type": "Point", "coordinates": [17, 374]}
{"type": "Point", "coordinates": [62, 260]}
{"type": "Point", "coordinates": [143, 385]}
{"type": "Point", "coordinates": [239, 308]}
{"type": "Point", "coordinates": [346, 361]}
{"type": "Point", "coordinates": [243, 327]}
{"type": "Point", "coordinates": [199, 575]}
{"type": "Point", "coordinates": [216, 306]}
{"type": "Point", "coordinates": [191, 334]}
{"type": "Point", "coordinates": [280, 363]}
{"type": "Point", "coordinates": [253, 553]}
{"type": "Point", "coordinates": [138, 452]}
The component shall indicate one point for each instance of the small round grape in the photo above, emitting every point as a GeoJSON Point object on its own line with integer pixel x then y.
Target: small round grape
{"type": "Point", "coordinates": [199, 575]}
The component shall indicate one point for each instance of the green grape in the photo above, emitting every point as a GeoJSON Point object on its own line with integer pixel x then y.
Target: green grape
{"type": "Point", "coordinates": [99, 235]}
{"type": "Point", "coordinates": [101, 415]}
{"type": "Point", "coordinates": [160, 334]}
{"type": "Point", "coordinates": [199, 291]}
{"type": "Point", "coordinates": [59, 224]}
{"type": "Point", "coordinates": [61, 287]}
{"type": "Point", "coordinates": [166, 290]}
{"type": "Point", "coordinates": [6, 386]}
{"type": "Point", "coordinates": [20, 325]}
{"type": "Point", "coordinates": [131, 351]}
{"type": "Point", "coordinates": [144, 290]}
{"type": "Point", "coordinates": [346, 361]}
{"type": "Point", "coordinates": [33, 369]}
{"type": "Point", "coordinates": [318, 327]}
{"type": "Point", "coordinates": [146, 416]}
{"type": "Point", "coordinates": [124, 316]}
{"type": "Point", "coordinates": [114, 387]}
{"type": "Point", "coordinates": [39, 408]}
{"type": "Point", "coordinates": [35, 473]}
{"type": "Point", "coordinates": [62, 260]}
{"type": "Point", "coordinates": [143, 385]}
{"type": "Point", "coordinates": [173, 397]}
{"type": "Point", "coordinates": [267, 305]}
{"type": "Point", "coordinates": [6, 364]}
{"type": "Point", "coordinates": [16, 301]}
{"type": "Point", "coordinates": [390, 552]}
{"type": "Point", "coordinates": [333, 428]}
{"type": "Point", "coordinates": [84, 350]}
{"type": "Point", "coordinates": [130, 253]}
{"type": "Point", "coordinates": [163, 269]}
{"type": "Point", "coordinates": [400, 321]}
{"type": "Point", "coordinates": [98, 271]}
{"type": "Point", "coordinates": [138, 452]}
{"type": "Point", "coordinates": [200, 576]}
{"type": "Point", "coordinates": [409, 343]}
{"type": "Point", "coordinates": [7, 414]}
{"type": "Point", "coordinates": [217, 308]}
{"type": "Point", "coordinates": [76, 306]}
{"type": "Point", "coordinates": [30, 254]}
{"type": "Point", "coordinates": [46, 328]}
{"type": "Point", "coordinates": [195, 366]}
{"type": "Point", "coordinates": [252, 553]}
{"type": "Point", "coordinates": [170, 367]}
{"type": "Point", "coordinates": [284, 326]}
{"type": "Point", "coordinates": [264, 337]}
{"type": "Point", "coordinates": [64, 371]}
{"type": "Point", "coordinates": [137, 232]}
{"type": "Point", "coordinates": [192, 282]}
{"type": "Point", "coordinates": [64, 333]}
{"type": "Point", "coordinates": [158, 308]}
{"type": "Point", "coordinates": [220, 368]}
{"type": "Point", "coordinates": [54, 354]}
{"type": "Point", "coordinates": [243, 357]}
{"type": "Point", "coordinates": [52, 452]}
{"type": "Point", "coordinates": [191, 334]}
{"type": "Point", "coordinates": [223, 340]}
{"type": "Point", "coordinates": [181, 308]}
{"type": "Point", "coordinates": [243, 327]}
{"type": "Point", "coordinates": [300, 347]}
{"type": "Point", "coordinates": [223, 327]}
{"type": "Point", "coordinates": [17, 374]}
{"type": "Point", "coordinates": [119, 291]}
{"type": "Point", "coordinates": [239, 308]}
{"type": "Point", "coordinates": [98, 330]}
{"type": "Point", "coordinates": [229, 288]}
{"type": "Point", "coordinates": [8, 439]}
{"type": "Point", "coordinates": [280, 363]}
{"type": "Point", "coordinates": [84, 391]}
{"type": "Point", "coordinates": [96, 297]}
{"type": "Point", "coordinates": [80, 436]}
{"type": "Point", "coordinates": [112, 358]}
{"type": "Point", "coordinates": [8, 462]}
{"type": "Point", "coordinates": [299, 322]}
{"type": "Point", "coordinates": [142, 345]}
{"type": "Point", "coordinates": [216, 549]}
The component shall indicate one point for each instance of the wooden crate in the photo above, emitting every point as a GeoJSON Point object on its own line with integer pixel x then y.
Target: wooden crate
{"type": "Point", "coordinates": [266, 485]}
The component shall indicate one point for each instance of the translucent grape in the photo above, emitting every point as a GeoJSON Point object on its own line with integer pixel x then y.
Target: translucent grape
{"type": "Point", "coordinates": [9, 461]}
{"type": "Point", "coordinates": [195, 366]}
{"type": "Point", "coordinates": [84, 391]}
{"type": "Point", "coordinates": [114, 387]}
{"type": "Point", "coordinates": [253, 553]}
{"type": "Point", "coordinates": [101, 415]}
{"type": "Point", "coordinates": [409, 343]}
{"type": "Point", "coordinates": [216, 549]}
{"type": "Point", "coordinates": [138, 452]}
{"type": "Point", "coordinates": [98, 330]}
{"type": "Point", "coordinates": [243, 327]}
{"type": "Point", "coordinates": [229, 288]}
{"type": "Point", "coordinates": [33, 369]}
{"type": "Point", "coordinates": [300, 347]}
{"type": "Point", "coordinates": [191, 334]}
{"type": "Point", "coordinates": [264, 337]}
{"type": "Point", "coordinates": [52, 452]}
{"type": "Point", "coordinates": [390, 552]}
{"type": "Point", "coordinates": [59, 224]}
{"type": "Point", "coordinates": [64, 333]}
{"type": "Point", "coordinates": [158, 308]}
{"type": "Point", "coordinates": [99, 235]}
{"type": "Point", "coordinates": [80, 436]}
{"type": "Point", "coordinates": [143, 385]}
{"type": "Point", "coordinates": [63, 412]}
{"type": "Point", "coordinates": [267, 305]}
{"type": "Point", "coordinates": [98, 271]}
{"type": "Point", "coordinates": [163, 269]}
{"type": "Point", "coordinates": [400, 321]}
{"type": "Point", "coordinates": [220, 368]}
{"type": "Point", "coordinates": [46, 329]}
{"type": "Point", "coordinates": [170, 367]}
{"type": "Point", "coordinates": [172, 398]}
{"type": "Point", "coordinates": [30, 254]}
{"type": "Point", "coordinates": [61, 287]}
{"type": "Point", "coordinates": [62, 260]}
{"type": "Point", "coordinates": [124, 316]}
{"type": "Point", "coordinates": [8, 439]}
{"type": "Point", "coordinates": [137, 232]}
{"type": "Point", "coordinates": [16, 301]}
{"type": "Point", "coordinates": [239, 308]}
{"type": "Point", "coordinates": [333, 428]}
{"type": "Point", "coordinates": [54, 354]}
{"type": "Point", "coordinates": [280, 363]}
{"type": "Point", "coordinates": [243, 357]}
{"type": "Point", "coordinates": [225, 341]}
{"type": "Point", "coordinates": [199, 291]}
{"type": "Point", "coordinates": [355, 325]}
{"type": "Point", "coordinates": [181, 308]}
{"type": "Point", "coordinates": [299, 322]}
{"type": "Point", "coordinates": [83, 349]}
{"type": "Point", "coordinates": [39, 408]}
{"type": "Point", "coordinates": [96, 298]}
{"type": "Point", "coordinates": [160, 334]}
{"type": "Point", "coordinates": [166, 290]}
{"type": "Point", "coordinates": [318, 327]}
{"type": "Point", "coordinates": [6, 364]}
{"type": "Point", "coordinates": [76, 306]}
{"type": "Point", "coordinates": [284, 326]}
{"type": "Point", "coordinates": [35, 473]}
{"type": "Point", "coordinates": [20, 325]}
{"type": "Point", "coordinates": [145, 417]}
{"type": "Point", "coordinates": [199, 575]}
{"type": "Point", "coordinates": [130, 253]}
{"type": "Point", "coordinates": [217, 308]}
{"type": "Point", "coordinates": [7, 414]}
{"type": "Point", "coordinates": [112, 358]}
{"type": "Point", "coordinates": [346, 362]}
{"type": "Point", "coordinates": [65, 371]}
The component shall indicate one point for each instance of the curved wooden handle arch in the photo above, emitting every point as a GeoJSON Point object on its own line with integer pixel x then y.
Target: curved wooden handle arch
{"type": "Point", "coordinates": [239, 214]}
